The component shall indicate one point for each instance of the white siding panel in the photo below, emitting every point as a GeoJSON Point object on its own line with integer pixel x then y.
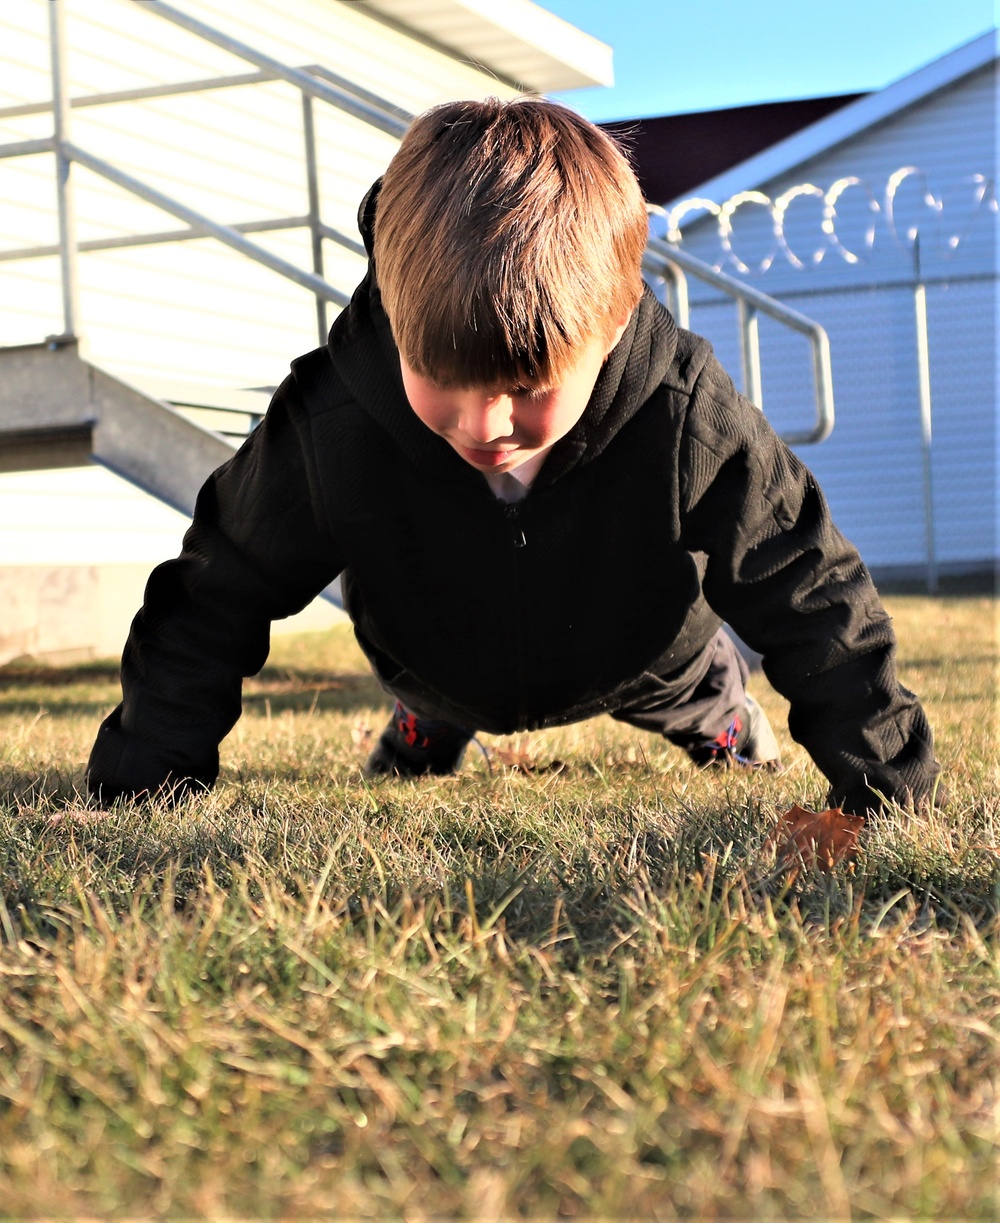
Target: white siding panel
{"type": "Point", "coordinates": [870, 468]}
{"type": "Point", "coordinates": [61, 516]}
{"type": "Point", "coordinates": [964, 397]}
{"type": "Point", "coordinates": [24, 54]}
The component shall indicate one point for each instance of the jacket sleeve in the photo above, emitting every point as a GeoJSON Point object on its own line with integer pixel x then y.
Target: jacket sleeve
{"type": "Point", "coordinates": [255, 552]}
{"type": "Point", "coordinates": [779, 571]}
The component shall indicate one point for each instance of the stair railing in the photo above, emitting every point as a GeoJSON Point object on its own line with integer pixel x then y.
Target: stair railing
{"type": "Point", "coordinates": [312, 83]}
{"type": "Point", "coordinates": [661, 260]}
{"type": "Point", "coordinates": [669, 263]}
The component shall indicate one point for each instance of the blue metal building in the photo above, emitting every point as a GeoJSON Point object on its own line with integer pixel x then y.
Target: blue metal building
{"type": "Point", "coordinates": [880, 221]}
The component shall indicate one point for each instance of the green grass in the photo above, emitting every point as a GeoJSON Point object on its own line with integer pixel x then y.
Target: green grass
{"type": "Point", "coordinates": [580, 991]}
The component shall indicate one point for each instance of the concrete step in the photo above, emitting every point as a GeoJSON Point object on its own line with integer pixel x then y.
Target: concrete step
{"type": "Point", "coordinates": [57, 410]}
{"type": "Point", "coordinates": [233, 413]}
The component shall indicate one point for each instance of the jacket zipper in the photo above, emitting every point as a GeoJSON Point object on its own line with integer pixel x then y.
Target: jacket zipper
{"type": "Point", "coordinates": [512, 513]}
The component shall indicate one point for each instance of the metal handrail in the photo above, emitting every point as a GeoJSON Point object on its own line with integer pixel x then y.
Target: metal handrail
{"type": "Point", "coordinates": [313, 82]}
{"type": "Point", "coordinates": [663, 259]}
{"type": "Point", "coordinates": [207, 227]}
{"type": "Point", "coordinates": [144, 93]}
{"type": "Point", "coordinates": [387, 118]}
{"type": "Point", "coordinates": [25, 148]}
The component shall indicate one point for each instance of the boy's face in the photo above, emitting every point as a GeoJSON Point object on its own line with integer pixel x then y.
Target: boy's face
{"type": "Point", "coordinates": [498, 428]}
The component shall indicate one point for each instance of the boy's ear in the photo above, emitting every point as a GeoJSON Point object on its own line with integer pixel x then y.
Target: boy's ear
{"type": "Point", "coordinates": [618, 332]}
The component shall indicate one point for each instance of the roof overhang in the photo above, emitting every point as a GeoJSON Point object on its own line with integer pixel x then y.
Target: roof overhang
{"type": "Point", "coordinates": [516, 39]}
{"type": "Point", "coordinates": [851, 121]}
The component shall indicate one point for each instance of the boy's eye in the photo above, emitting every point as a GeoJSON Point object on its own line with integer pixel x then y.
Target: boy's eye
{"type": "Point", "coordinates": [526, 392]}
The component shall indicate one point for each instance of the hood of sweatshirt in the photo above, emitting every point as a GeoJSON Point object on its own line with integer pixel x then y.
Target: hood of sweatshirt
{"type": "Point", "coordinates": [365, 357]}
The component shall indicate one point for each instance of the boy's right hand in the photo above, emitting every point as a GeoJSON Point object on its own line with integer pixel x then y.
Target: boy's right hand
{"type": "Point", "coordinates": [123, 768]}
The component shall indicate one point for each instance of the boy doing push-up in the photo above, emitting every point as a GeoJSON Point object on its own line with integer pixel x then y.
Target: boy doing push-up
{"type": "Point", "coordinates": [543, 497]}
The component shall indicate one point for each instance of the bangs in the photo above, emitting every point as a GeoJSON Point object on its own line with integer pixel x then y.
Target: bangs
{"type": "Point", "coordinates": [463, 343]}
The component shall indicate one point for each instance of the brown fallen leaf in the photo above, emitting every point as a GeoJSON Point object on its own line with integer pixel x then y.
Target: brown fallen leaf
{"type": "Point", "coordinates": [815, 838]}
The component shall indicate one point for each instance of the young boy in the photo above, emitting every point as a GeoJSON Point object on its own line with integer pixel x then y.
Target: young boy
{"type": "Point", "coordinates": [544, 499]}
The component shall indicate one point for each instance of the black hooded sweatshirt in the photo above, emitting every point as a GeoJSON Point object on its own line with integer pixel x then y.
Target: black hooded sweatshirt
{"type": "Point", "coordinates": [670, 506]}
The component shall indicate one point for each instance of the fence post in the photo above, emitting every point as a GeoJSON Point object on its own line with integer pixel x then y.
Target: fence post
{"type": "Point", "coordinates": [750, 353]}
{"type": "Point", "coordinates": [926, 430]}
{"type": "Point", "coordinates": [316, 232]}
{"type": "Point", "coordinates": [64, 185]}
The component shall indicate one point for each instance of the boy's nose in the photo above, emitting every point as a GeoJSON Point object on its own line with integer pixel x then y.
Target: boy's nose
{"type": "Point", "coordinates": [488, 420]}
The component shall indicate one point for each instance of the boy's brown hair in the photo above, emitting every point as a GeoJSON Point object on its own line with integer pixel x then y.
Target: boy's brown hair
{"type": "Point", "coordinates": [508, 235]}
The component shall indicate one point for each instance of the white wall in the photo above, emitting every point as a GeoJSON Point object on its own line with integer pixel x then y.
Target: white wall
{"type": "Point", "coordinates": [76, 548]}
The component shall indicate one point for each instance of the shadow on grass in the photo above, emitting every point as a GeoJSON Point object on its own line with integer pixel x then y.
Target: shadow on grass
{"type": "Point", "coordinates": [30, 675]}
{"type": "Point", "coordinates": [950, 662]}
{"type": "Point", "coordinates": [22, 793]}
{"type": "Point", "coordinates": [25, 689]}
{"type": "Point", "coordinates": [312, 691]}
{"type": "Point", "coordinates": [573, 900]}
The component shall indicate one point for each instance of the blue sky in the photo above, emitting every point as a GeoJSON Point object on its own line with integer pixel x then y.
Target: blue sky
{"type": "Point", "coordinates": [673, 56]}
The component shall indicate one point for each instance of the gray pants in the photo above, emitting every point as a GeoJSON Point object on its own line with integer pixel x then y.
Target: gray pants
{"type": "Point", "coordinates": [691, 708]}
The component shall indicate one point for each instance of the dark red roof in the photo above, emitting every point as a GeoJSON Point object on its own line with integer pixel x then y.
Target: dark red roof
{"type": "Point", "coordinates": [674, 154]}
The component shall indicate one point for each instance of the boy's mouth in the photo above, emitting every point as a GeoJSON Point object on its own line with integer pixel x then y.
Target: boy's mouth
{"type": "Point", "coordinates": [487, 458]}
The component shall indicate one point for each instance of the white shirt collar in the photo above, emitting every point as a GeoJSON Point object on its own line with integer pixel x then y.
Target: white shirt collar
{"type": "Point", "coordinates": [511, 486]}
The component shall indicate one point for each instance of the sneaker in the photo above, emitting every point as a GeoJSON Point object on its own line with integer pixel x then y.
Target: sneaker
{"type": "Point", "coordinates": [411, 746]}
{"type": "Point", "coordinates": [747, 743]}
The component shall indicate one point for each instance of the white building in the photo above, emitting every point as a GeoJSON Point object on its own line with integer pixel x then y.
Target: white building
{"type": "Point", "coordinates": [842, 221]}
{"type": "Point", "coordinates": [191, 319]}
